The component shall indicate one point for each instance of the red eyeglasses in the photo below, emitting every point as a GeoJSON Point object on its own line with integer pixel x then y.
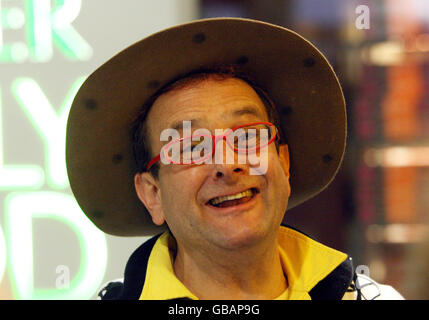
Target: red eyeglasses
{"type": "Point", "coordinates": [198, 148]}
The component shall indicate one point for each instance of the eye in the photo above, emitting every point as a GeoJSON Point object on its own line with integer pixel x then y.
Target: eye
{"type": "Point", "coordinates": [251, 134]}
{"type": "Point", "coordinates": [192, 146]}
{"type": "Point", "coordinates": [189, 148]}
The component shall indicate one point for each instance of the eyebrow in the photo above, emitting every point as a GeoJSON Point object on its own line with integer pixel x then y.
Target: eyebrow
{"type": "Point", "coordinates": [246, 110]}
{"type": "Point", "coordinates": [178, 125]}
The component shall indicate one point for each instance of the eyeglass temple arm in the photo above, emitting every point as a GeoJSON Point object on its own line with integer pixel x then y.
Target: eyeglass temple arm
{"type": "Point", "coordinates": [154, 160]}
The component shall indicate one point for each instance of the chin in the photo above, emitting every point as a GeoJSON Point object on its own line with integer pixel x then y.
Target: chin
{"type": "Point", "coordinates": [241, 237]}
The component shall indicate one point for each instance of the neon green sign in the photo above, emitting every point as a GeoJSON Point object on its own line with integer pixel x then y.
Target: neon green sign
{"type": "Point", "coordinates": [20, 209]}
{"type": "Point", "coordinates": [50, 125]}
{"type": "Point", "coordinates": [46, 26]}
{"type": "Point", "coordinates": [2, 254]}
{"type": "Point", "coordinates": [17, 176]}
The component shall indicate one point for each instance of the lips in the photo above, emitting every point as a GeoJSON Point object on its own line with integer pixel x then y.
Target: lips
{"type": "Point", "coordinates": [233, 199]}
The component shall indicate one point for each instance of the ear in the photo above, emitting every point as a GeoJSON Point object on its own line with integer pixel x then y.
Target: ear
{"type": "Point", "coordinates": [284, 158]}
{"type": "Point", "coordinates": [148, 191]}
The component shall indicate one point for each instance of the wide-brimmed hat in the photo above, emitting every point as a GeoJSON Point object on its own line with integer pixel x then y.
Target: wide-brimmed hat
{"type": "Point", "coordinates": [296, 75]}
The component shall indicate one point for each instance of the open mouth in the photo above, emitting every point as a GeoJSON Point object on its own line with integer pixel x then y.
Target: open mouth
{"type": "Point", "coordinates": [233, 199]}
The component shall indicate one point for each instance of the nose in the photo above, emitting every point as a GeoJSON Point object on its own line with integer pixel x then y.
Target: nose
{"type": "Point", "coordinates": [227, 172]}
{"type": "Point", "coordinates": [223, 168]}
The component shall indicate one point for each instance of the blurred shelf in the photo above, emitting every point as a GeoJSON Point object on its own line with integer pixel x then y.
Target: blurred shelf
{"type": "Point", "coordinates": [397, 233]}
{"type": "Point", "coordinates": [397, 156]}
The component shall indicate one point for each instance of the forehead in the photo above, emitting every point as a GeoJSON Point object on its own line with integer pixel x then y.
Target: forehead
{"type": "Point", "coordinates": [207, 102]}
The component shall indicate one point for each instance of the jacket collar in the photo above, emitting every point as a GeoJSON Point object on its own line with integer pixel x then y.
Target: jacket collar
{"type": "Point", "coordinates": [313, 270]}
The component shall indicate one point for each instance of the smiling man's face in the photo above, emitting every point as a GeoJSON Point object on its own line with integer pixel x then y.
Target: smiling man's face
{"type": "Point", "coordinates": [182, 194]}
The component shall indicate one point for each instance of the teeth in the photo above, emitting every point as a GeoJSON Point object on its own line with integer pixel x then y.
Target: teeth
{"type": "Point", "coordinates": [247, 193]}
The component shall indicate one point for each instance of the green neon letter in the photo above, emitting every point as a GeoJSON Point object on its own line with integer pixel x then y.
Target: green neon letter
{"type": "Point", "coordinates": [50, 125]}
{"type": "Point", "coordinates": [20, 208]}
{"type": "Point", "coordinates": [2, 254]}
{"type": "Point", "coordinates": [39, 30]}
{"type": "Point", "coordinates": [65, 36]}
{"type": "Point", "coordinates": [53, 25]}
{"type": "Point", "coordinates": [12, 18]}
{"type": "Point", "coordinates": [17, 176]}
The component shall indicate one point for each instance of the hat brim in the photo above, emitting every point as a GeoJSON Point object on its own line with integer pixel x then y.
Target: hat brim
{"type": "Point", "coordinates": [297, 77]}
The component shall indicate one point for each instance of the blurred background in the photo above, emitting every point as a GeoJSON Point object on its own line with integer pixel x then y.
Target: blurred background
{"type": "Point", "coordinates": [376, 210]}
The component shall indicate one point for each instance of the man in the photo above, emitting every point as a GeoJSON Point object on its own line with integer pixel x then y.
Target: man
{"type": "Point", "coordinates": [224, 237]}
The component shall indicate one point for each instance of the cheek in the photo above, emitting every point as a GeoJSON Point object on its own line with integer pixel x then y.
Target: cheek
{"type": "Point", "coordinates": [278, 179]}
{"type": "Point", "coordinates": [179, 200]}
{"type": "Point", "coordinates": [179, 188]}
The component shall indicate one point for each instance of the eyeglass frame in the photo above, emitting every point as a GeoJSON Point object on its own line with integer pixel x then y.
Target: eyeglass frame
{"type": "Point", "coordinates": [215, 139]}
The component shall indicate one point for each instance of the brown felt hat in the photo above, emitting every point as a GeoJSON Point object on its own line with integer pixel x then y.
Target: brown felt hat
{"type": "Point", "coordinates": [297, 77]}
